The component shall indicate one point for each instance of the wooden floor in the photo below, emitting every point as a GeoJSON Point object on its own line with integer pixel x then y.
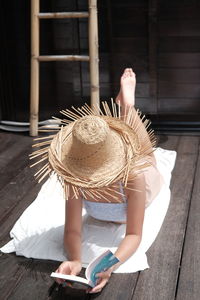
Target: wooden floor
{"type": "Point", "coordinates": [174, 257]}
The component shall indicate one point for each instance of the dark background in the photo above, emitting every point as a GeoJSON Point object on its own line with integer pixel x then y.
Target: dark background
{"type": "Point", "coordinates": [159, 39]}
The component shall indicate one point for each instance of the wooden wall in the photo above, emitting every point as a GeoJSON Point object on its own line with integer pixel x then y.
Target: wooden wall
{"type": "Point", "coordinates": [14, 59]}
{"type": "Point", "coordinates": [159, 39]}
{"type": "Point", "coordinates": [179, 57]}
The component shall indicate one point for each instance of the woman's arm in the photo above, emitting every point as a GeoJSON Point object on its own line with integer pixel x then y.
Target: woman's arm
{"type": "Point", "coordinates": [73, 227]}
{"type": "Point", "coordinates": [132, 239]}
{"type": "Point", "coordinates": [72, 238]}
{"type": "Point", "coordinates": [135, 217]}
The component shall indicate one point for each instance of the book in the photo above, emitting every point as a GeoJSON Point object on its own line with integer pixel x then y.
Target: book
{"type": "Point", "coordinates": [99, 264]}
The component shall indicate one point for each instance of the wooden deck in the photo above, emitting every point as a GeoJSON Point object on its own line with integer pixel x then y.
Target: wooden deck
{"type": "Point", "coordinates": [174, 257]}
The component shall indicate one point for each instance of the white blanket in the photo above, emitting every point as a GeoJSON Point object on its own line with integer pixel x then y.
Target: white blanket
{"type": "Point", "coordinates": [38, 233]}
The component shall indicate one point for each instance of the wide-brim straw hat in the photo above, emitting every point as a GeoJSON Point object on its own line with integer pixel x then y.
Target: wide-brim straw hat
{"type": "Point", "coordinates": [94, 150]}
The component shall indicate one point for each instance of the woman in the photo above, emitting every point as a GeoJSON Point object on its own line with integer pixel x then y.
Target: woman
{"type": "Point", "coordinates": [129, 202]}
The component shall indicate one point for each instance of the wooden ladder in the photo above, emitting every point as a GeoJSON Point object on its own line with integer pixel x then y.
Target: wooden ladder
{"type": "Point", "coordinates": [36, 58]}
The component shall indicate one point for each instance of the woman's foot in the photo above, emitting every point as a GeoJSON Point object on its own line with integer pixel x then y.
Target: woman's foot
{"type": "Point", "coordinates": [126, 96]}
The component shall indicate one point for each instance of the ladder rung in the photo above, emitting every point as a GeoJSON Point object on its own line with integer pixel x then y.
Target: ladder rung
{"type": "Point", "coordinates": [63, 58]}
{"type": "Point", "coordinates": [63, 15]}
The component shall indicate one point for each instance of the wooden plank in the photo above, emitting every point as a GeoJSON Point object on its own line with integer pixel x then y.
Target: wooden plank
{"type": "Point", "coordinates": [13, 147]}
{"type": "Point", "coordinates": [189, 280]}
{"type": "Point", "coordinates": [18, 273]}
{"type": "Point", "coordinates": [60, 73]}
{"type": "Point", "coordinates": [189, 75]}
{"type": "Point", "coordinates": [14, 159]}
{"type": "Point", "coordinates": [121, 286]}
{"type": "Point", "coordinates": [76, 67]}
{"type": "Point", "coordinates": [139, 13]}
{"type": "Point", "coordinates": [186, 2]}
{"type": "Point", "coordinates": [189, 11]}
{"type": "Point", "coordinates": [179, 60]}
{"type": "Point", "coordinates": [64, 69]}
{"type": "Point", "coordinates": [58, 28]}
{"type": "Point", "coordinates": [138, 62]}
{"type": "Point", "coordinates": [179, 105]}
{"type": "Point", "coordinates": [178, 90]}
{"type": "Point", "coordinates": [12, 269]}
{"type": "Point", "coordinates": [14, 191]}
{"type": "Point", "coordinates": [180, 44]}
{"type": "Point", "coordinates": [35, 281]}
{"type": "Point", "coordinates": [13, 212]}
{"type": "Point", "coordinates": [68, 293]}
{"type": "Point", "coordinates": [83, 29]}
{"type": "Point", "coordinates": [138, 30]}
{"type": "Point", "coordinates": [144, 105]}
{"type": "Point", "coordinates": [23, 278]}
{"type": "Point", "coordinates": [179, 27]}
{"type": "Point", "coordinates": [139, 21]}
{"type": "Point", "coordinates": [6, 141]}
{"type": "Point", "coordinates": [168, 142]}
{"type": "Point", "coordinates": [133, 45]}
{"type": "Point", "coordinates": [159, 282]}
{"type": "Point", "coordinates": [111, 47]}
{"type": "Point", "coordinates": [137, 3]}
{"type": "Point", "coordinates": [60, 5]}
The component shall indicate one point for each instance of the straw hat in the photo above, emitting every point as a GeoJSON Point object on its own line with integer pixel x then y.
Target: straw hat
{"type": "Point", "coordinates": [94, 150]}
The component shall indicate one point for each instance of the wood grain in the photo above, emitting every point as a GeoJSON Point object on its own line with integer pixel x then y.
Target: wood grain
{"type": "Point", "coordinates": [189, 280]}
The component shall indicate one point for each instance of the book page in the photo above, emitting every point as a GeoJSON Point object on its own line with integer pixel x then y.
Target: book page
{"type": "Point", "coordinates": [71, 278]}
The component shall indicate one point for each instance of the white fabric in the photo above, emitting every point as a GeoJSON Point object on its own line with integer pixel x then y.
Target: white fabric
{"type": "Point", "coordinates": [38, 233]}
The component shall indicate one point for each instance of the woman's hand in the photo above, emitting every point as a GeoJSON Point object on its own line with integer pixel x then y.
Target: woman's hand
{"type": "Point", "coordinates": [103, 278]}
{"type": "Point", "coordinates": [68, 268]}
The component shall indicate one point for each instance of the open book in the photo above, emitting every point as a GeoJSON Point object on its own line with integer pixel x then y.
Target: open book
{"type": "Point", "coordinates": [99, 264]}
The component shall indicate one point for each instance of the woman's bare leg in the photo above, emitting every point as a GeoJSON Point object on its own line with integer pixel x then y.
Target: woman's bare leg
{"type": "Point", "coordinates": [126, 98]}
{"type": "Point", "coordinates": [126, 95]}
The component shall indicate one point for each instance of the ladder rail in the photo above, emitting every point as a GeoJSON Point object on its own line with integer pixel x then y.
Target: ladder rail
{"type": "Point", "coordinates": [93, 53]}
{"type": "Point", "coordinates": [34, 84]}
